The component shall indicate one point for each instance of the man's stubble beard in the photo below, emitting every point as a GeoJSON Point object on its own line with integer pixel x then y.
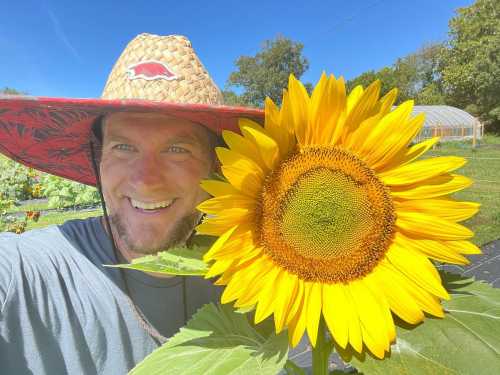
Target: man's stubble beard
{"type": "Point", "coordinates": [179, 233]}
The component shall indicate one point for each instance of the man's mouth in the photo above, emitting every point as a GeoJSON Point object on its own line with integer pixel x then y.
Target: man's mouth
{"type": "Point", "coordinates": [151, 206]}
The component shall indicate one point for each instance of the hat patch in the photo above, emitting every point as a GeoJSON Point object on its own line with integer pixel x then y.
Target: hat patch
{"type": "Point", "coordinates": [150, 70]}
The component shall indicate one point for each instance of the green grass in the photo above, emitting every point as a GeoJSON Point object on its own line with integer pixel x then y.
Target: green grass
{"type": "Point", "coordinates": [29, 207]}
{"type": "Point", "coordinates": [483, 167]}
{"type": "Point", "coordinates": [61, 217]}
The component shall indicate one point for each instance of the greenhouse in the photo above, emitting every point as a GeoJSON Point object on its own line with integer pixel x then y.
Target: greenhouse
{"type": "Point", "coordinates": [449, 123]}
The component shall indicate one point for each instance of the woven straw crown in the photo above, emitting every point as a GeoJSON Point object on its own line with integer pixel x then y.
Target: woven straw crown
{"type": "Point", "coordinates": [173, 73]}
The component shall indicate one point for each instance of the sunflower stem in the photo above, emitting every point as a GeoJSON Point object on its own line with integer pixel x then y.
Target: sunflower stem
{"type": "Point", "coordinates": [321, 352]}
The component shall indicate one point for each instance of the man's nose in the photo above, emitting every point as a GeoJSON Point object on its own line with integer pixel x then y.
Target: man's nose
{"type": "Point", "coordinates": [146, 171]}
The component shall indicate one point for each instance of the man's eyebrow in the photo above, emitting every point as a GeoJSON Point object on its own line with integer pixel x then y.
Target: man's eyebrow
{"type": "Point", "coordinates": [186, 138]}
{"type": "Point", "coordinates": [117, 138]}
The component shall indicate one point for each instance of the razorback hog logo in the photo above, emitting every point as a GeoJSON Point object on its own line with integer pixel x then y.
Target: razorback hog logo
{"type": "Point", "coordinates": [150, 70]}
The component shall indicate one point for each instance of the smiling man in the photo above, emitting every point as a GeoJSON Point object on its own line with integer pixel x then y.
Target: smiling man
{"type": "Point", "coordinates": [151, 168]}
{"type": "Point", "coordinates": [146, 145]}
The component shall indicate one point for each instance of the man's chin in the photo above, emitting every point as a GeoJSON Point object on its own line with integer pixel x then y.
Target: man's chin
{"type": "Point", "coordinates": [144, 240]}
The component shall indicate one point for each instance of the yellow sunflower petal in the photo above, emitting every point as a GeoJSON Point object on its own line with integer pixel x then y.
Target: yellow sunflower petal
{"type": "Point", "coordinates": [259, 271]}
{"type": "Point", "coordinates": [314, 311]}
{"type": "Point", "coordinates": [464, 247]}
{"type": "Point", "coordinates": [442, 251]}
{"type": "Point", "coordinates": [425, 300]}
{"type": "Point", "coordinates": [273, 126]}
{"type": "Point", "coordinates": [247, 181]}
{"type": "Point", "coordinates": [318, 96]}
{"type": "Point", "coordinates": [447, 209]}
{"type": "Point", "coordinates": [432, 227]}
{"type": "Point", "coordinates": [421, 170]}
{"type": "Point", "coordinates": [268, 148]}
{"type": "Point", "coordinates": [418, 268]}
{"type": "Point", "coordinates": [435, 187]}
{"type": "Point", "coordinates": [225, 220]}
{"type": "Point", "coordinates": [217, 188]}
{"type": "Point", "coordinates": [355, 336]}
{"type": "Point", "coordinates": [267, 296]}
{"type": "Point", "coordinates": [299, 104]}
{"type": "Point", "coordinates": [219, 243]}
{"type": "Point", "coordinates": [405, 155]}
{"type": "Point", "coordinates": [243, 146]}
{"type": "Point", "coordinates": [356, 140]}
{"type": "Point", "coordinates": [365, 107]}
{"type": "Point", "coordinates": [335, 313]}
{"type": "Point", "coordinates": [284, 301]}
{"type": "Point", "coordinates": [400, 301]}
{"type": "Point", "coordinates": [245, 122]}
{"type": "Point", "coordinates": [387, 101]}
{"type": "Point", "coordinates": [331, 109]}
{"type": "Point", "coordinates": [229, 157]}
{"type": "Point", "coordinates": [297, 324]}
{"type": "Point", "coordinates": [238, 246]}
{"type": "Point", "coordinates": [218, 267]}
{"type": "Point", "coordinates": [242, 279]}
{"type": "Point", "coordinates": [222, 202]}
{"type": "Point", "coordinates": [385, 309]}
{"type": "Point", "coordinates": [344, 103]}
{"type": "Point", "coordinates": [394, 127]}
{"type": "Point", "coordinates": [399, 135]}
{"type": "Point", "coordinates": [296, 302]}
{"type": "Point", "coordinates": [371, 319]}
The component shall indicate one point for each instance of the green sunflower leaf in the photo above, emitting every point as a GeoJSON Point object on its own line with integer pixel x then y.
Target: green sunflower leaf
{"type": "Point", "coordinates": [466, 341]}
{"type": "Point", "coordinates": [176, 261]}
{"type": "Point", "coordinates": [217, 341]}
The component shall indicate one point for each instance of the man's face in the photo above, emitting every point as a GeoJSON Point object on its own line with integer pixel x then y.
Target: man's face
{"type": "Point", "coordinates": [151, 169]}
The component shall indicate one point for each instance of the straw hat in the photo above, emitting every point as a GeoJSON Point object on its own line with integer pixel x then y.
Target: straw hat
{"type": "Point", "coordinates": [153, 74]}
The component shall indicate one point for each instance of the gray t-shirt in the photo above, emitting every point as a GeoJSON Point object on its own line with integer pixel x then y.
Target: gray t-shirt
{"type": "Point", "coordinates": [62, 312]}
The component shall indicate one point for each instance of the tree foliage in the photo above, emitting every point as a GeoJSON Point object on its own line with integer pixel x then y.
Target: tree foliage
{"type": "Point", "coordinates": [471, 63]}
{"type": "Point", "coordinates": [266, 73]}
{"type": "Point", "coordinates": [11, 91]}
{"type": "Point", "coordinates": [417, 76]}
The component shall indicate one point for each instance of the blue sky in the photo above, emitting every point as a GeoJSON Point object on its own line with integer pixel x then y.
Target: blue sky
{"type": "Point", "coordinates": [67, 48]}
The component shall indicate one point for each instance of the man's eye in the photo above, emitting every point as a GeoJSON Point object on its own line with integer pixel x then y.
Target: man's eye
{"type": "Point", "coordinates": [123, 147]}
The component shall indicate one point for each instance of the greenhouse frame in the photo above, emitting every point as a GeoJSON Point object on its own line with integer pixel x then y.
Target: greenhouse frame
{"type": "Point", "coordinates": [449, 123]}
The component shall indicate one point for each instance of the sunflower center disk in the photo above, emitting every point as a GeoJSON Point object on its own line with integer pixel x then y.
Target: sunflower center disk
{"type": "Point", "coordinates": [325, 216]}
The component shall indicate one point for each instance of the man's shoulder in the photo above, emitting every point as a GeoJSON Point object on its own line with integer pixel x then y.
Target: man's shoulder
{"type": "Point", "coordinates": [41, 244]}
{"type": "Point", "coordinates": [40, 238]}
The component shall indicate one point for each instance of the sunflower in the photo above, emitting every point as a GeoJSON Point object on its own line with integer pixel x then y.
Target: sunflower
{"type": "Point", "coordinates": [327, 213]}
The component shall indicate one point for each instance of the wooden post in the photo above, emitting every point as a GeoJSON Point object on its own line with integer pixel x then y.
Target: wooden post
{"type": "Point", "coordinates": [474, 134]}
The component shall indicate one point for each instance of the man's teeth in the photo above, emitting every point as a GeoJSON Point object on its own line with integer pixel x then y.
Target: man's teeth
{"type": "Point", "coordinates": [150, 206]}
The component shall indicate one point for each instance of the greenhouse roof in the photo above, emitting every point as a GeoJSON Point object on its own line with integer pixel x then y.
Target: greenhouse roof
{"type": "Point", "coordinates": [445, 116]}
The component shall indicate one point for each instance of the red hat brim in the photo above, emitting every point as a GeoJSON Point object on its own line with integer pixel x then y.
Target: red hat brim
{"type": "Point", "coordinates": [52, 134]}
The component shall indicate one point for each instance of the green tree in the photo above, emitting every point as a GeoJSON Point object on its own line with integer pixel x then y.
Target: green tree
{"type": "Point", "coordinates": [416, 76]}
{"type": "Point", "coordinates": [386, 76]}
{"type": "Point", "coordinates": [231, 98]}
{"type": "Point", "coordinates": [266, 73]}
{"type": "Point", "coordinates": [11, 91]}
{"type": "Point", "coordinates": [471, 69]}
